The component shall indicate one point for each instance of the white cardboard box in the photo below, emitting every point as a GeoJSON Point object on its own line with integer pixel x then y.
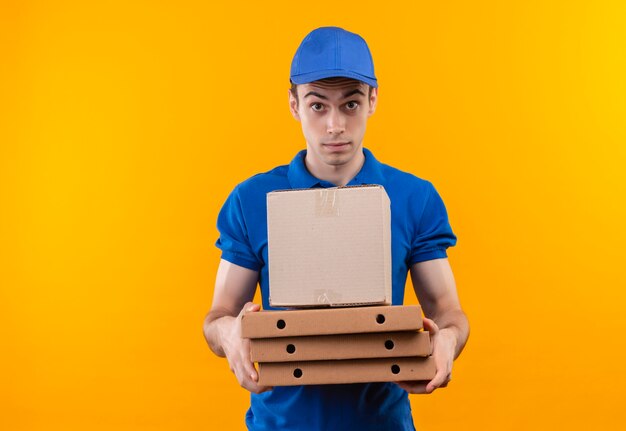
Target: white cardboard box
{"type": "Point", "coordinates": [329, 246]}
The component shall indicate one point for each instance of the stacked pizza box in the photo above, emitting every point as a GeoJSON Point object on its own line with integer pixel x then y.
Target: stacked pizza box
{"type": "Point", "coordinates": [330, 266]}
{"type": "Point", "coordinates": [339, 345]}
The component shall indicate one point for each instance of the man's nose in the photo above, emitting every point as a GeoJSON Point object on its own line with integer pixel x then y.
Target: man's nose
{"type": "Point", "coordinates": [336, 122]}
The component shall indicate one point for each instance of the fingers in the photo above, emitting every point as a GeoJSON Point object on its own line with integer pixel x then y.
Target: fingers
{"type": "Point", "coordinates": [414, 387]}
{"type": "Point", "coordinates": [425, 386]}
{"type": "Point", "coordinates": [444, 370]}
{"type": "Point", "coordinates": [245, 372]}
{"type": "Point", "coordinates": [247, 365]}
{"type": "Point", "coordinates": [238, 355]}
{"type": "Point", "coordinates": [246, 382]}
{"type": "Point", "coordinates": [440, 354]}
{"type": "Point", "coordinates": [440, 380]}
{"type": "Point", "coordinates": [253, 386]}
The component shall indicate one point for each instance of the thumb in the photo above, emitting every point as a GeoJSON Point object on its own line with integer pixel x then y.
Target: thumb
{"type": "Point", "coordinates": [251, 306]}
{"type": "Point", "coordinates": [247, 308]}
{"type": "Point", "coordinates": [430, 326]}
{"type": "Point", "coordinates": [433, 329]}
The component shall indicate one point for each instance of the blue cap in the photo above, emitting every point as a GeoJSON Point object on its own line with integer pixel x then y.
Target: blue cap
{"type": "Point", "coordinates": [329, 52]}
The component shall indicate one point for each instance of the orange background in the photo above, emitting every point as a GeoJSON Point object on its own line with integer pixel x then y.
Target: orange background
{"type": "Point", "coordinates": [124, 125]}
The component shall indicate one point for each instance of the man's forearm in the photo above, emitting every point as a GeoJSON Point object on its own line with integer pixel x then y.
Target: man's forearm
{"type": "Point", "coordinates": [215, 324]}
{"type": "Point", "coordinates": [456, 322]}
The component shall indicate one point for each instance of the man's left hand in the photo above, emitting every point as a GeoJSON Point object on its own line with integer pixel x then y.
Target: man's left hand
{"type": "Point", "coordinates": [443, 344]}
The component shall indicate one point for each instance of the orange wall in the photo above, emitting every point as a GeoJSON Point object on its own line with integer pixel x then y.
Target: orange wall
{"type": "Point", "coordinates": [124, 125]}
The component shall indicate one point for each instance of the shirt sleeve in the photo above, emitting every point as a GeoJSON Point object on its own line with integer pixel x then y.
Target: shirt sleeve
{"type": "Point", "coordinates": [234, 239]}
{"type": "Point", "coordinates": [432, 234]}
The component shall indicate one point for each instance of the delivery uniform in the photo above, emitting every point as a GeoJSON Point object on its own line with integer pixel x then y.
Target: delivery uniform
{"type": "Point", "coordinates": [420, 231]}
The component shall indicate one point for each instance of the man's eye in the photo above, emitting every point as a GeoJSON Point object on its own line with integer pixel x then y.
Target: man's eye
{"type": "Point", "coordinates": [352, 105]}
{"type": "Point", "coordinates": [317, 107]}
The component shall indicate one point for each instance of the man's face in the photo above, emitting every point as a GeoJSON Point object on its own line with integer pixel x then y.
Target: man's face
{"type": "Point", "coordinates": [333, 114]}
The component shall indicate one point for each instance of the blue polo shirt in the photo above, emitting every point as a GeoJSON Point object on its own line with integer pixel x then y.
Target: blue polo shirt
{"type": "Point", "coordinates": [420, 231]}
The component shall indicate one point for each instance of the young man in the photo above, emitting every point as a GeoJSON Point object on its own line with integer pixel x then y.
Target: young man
{"type": "Point", "coordinates": [334, 92]}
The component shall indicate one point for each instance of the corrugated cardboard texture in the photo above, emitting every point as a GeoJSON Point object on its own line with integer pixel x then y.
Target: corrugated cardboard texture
{"type": "Point", "coordinates": [327, 321]}
{"type": "Point", "coordinates": [329, 246]}
{"type": "Point", "coordinates": [348, 371]}
{"type": "Point", "coordinates": [354, 346]}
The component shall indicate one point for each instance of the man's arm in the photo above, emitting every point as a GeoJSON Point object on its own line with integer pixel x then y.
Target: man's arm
{"type": "Point", "coordinates": [234, 289]}
{"type": "Point", "coordinates": [435, 288]}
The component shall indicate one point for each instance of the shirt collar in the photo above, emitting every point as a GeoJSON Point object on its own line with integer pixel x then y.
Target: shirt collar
{"type": "Point", "coordinates": [300, 178]}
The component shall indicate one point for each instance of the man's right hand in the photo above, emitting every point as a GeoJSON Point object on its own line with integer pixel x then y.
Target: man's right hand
{"type": "Point", "coordinates": [237, 350]}
{"type": "Point", "coordinates": [234, 289]}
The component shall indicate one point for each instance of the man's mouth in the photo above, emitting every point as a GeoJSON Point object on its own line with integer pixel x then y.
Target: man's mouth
{"type": "Point", "coordinates": [336, 147]}
{"type": "Point", "coordinates": [336, 144]}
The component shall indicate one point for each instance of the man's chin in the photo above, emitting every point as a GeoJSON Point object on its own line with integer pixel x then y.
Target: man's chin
{"type": "Point", "coordinates": [337, 159]}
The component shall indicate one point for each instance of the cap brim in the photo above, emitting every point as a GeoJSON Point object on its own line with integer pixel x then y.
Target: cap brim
{"type": "Point", "coordinates": [305, 78]}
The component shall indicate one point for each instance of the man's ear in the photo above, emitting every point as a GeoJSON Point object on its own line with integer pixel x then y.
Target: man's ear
{"type": "Point", "coordinates": [293, 105]}
{"type": "Point", "coordinates": [373, 100]}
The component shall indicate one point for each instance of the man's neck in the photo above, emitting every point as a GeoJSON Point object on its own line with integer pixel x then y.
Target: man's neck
{"type": "Point", "coordinates": [339, 175]}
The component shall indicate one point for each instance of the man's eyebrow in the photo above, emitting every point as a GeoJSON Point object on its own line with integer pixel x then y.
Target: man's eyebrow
{"type": "Point", "coordinates": [353, 92]}
{"type": "Point", "coordinates": [345, 96]}
{"type": "Point", "coordinates": [313, 93]}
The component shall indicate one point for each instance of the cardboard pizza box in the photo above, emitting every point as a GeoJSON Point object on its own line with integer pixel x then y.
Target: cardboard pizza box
{"type": "Point", "coordinates": [345, 346]}
{"type": "Point", "coordinates": [328, 321]}
{"type": "Point", "coordinates": [346, 371]}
